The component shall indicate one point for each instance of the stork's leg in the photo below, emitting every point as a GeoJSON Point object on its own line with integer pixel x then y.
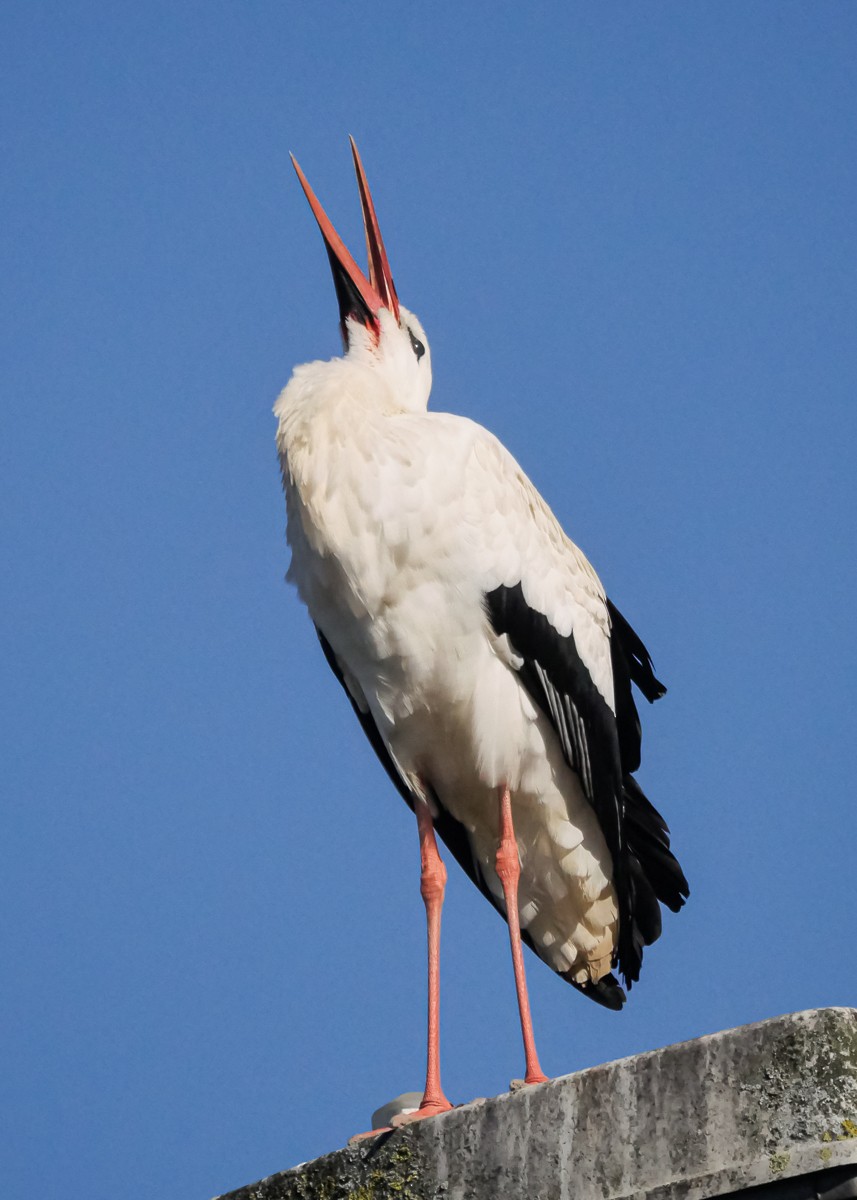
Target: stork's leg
{"type": "Point", "coordinates": [432, 887]}
{"type": "Point", "coordinates": [509, 870]}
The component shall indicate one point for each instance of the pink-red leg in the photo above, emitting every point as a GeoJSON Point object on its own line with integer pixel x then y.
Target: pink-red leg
{"type": "Point", "coordinates": [509, 870]}
{"type": "Point", "coordinates": [432, 887]}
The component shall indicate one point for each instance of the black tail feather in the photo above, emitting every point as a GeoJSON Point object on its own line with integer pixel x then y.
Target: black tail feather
{"type": "Point", "coordinates": [652, 874]}
{"type": "Point", "coordinates": [648, 841]}
{"type": "Point", "coordinates": [607, 992]}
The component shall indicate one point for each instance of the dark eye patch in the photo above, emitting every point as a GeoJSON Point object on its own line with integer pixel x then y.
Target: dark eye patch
{"type": "Point", "coordinates": [416, 345]}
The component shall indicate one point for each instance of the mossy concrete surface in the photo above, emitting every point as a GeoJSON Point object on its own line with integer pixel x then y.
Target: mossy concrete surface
{"type": "Point", "coordinates": [704, 1118]}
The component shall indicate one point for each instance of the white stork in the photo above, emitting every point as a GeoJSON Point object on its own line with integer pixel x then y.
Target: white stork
{"type": "Point", "coordinates": [478, 649]}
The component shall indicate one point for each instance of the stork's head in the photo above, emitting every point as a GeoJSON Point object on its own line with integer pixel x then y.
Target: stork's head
{"type": "Point", "coordinates": [377, 330]}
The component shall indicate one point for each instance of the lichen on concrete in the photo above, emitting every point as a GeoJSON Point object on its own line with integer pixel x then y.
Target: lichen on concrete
{"type": "Point", "coordinates": [386, 1168]}
{"type": "Point", "coordinates": [801, 1076]}
{"type": "Point", "coordinates": [779, 1162]}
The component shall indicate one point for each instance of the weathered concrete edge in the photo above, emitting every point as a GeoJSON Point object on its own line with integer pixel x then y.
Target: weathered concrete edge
{"type": "Point", "coordinates": [803, 1161]}
{"type": "Point", "coordinates": [403, 1182]}
{"type": "Point", "coordinates": [801, 1080]}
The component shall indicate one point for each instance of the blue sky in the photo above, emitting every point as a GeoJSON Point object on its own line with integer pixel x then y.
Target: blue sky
{"type": "Point", "coordinates": [629, 231]}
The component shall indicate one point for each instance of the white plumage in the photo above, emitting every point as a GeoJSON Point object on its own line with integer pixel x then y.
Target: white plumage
{"type": "Point", "coordinates": [400, 522]}
{"type": "Point", "coordinates": [474, 639]}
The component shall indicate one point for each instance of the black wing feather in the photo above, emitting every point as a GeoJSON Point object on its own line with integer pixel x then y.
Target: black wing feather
{"type": "Point", "coordinates": [639, 660]}
{"type": "Point", "coordinates": [603, 749]}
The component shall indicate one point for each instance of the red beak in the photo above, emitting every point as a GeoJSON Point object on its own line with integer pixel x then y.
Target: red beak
{"type": "Point", "coordinates": [359, 298]}
{"type": "Point", "coordinates": [379, 267]}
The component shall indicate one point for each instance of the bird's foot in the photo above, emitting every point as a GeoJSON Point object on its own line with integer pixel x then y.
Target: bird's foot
{"type": "Point", "coordinates": [410, 1106]}
{"type": "Point", "coordinates": [428, 1108]}
{"type": "Point", "coordinates": [370, 1133]}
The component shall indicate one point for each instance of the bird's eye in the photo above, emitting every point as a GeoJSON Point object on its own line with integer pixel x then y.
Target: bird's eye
{"type": "Point", "coordinates": [416, 345]}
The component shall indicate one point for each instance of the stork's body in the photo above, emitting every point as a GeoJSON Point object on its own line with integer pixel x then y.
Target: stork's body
{"type": "Point", "coordinates": [398, 534]}
{"type": "Point", "coordinates": [475, 643]}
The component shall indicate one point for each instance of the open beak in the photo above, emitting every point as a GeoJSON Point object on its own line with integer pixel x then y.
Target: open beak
{"type": "Point", "coordinates": [359, 298]}
{"type": "Point", "coordinates": [379, 266]}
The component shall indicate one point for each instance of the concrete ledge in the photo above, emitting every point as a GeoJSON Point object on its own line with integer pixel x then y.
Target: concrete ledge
{"type": "Point", "coordinates": [751, 1106]}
